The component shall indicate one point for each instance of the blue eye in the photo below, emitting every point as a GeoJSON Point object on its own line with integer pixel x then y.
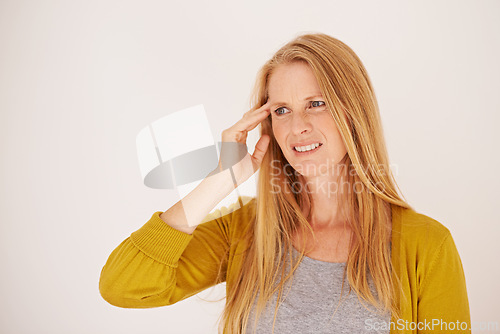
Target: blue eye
{"type": "Point", "coordinates": [277, 111]}
{"type": "Point", "coordinates": [315, 104]}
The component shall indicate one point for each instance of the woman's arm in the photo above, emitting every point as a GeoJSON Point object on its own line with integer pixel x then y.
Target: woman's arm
{"type": "Point", "coordinates": [187, 213]}
{"type": "Point", "coordinates": [443, 300]}
{"type": "Point", "coordinates": [169, 258]}
{"type": "Point", "coordinates": [236, 165]}
{"type": "Point", "coordinates": [159, 265]}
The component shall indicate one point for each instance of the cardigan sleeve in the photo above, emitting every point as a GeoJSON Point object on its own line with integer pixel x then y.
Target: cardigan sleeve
{"type": "Point", "coordinates": [443, 303]}
{"type": "Point", "coordinates": [159, 265]}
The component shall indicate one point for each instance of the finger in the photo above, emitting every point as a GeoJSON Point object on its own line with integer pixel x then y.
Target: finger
{"type": "Point", "coordinates": [256, 121]}
{"type": "Point", "coordinates": [260, 151]}
{"type": "Point", "coordinates": [249, 122]}
{"type": "Point", "coordinates": [262, 108]}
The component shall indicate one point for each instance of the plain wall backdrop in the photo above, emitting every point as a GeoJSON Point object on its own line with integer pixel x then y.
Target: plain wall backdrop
{"type": "Point", "coordinates": [79, 79]}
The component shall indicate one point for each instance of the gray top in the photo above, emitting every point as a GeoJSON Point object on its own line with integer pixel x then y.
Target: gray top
{"type": "Point", "coordinates": [310, 304]}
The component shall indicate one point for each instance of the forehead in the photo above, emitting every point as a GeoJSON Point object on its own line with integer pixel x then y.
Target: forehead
{"type": "Point", "coordinates": [292, 81]}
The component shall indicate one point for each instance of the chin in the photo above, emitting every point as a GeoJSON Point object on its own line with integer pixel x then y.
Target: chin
{"type": "Point", "coordinates": [307, 169]}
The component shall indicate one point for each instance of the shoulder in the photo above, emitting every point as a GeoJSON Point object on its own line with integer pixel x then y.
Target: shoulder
{"type": "Point", "coordinates": [423, 249]}
{"type": "Point", "coordinates": [425, 256]}
{"type": "Point", "coordinates": [420, 241]}
{"type": "Point", "coordinates": [234, 218]}
{"type": "Point", "coordinates": [243, 216]}
{"type": "Point", "coordinates": [417, 230]}
{"type": "Point", "coordinates": [240, 209]}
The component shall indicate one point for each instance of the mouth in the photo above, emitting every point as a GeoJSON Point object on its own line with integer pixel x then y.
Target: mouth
{"type": "Point", "coordinates": [305, 150]}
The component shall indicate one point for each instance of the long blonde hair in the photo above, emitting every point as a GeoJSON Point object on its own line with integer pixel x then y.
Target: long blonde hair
{"type": "Point", "coordinates": [350, 98]}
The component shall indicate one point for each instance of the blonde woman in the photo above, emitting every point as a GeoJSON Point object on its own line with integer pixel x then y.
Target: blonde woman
{"type": "Point", "coordinates": [328, 245]}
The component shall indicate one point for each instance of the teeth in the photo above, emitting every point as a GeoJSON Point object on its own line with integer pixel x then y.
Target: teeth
{"type": "Point", "coordinates": [306, 148]}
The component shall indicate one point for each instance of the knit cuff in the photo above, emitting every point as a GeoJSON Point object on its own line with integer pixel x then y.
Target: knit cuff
{"type": "Point", "coordinates": [160, 241]}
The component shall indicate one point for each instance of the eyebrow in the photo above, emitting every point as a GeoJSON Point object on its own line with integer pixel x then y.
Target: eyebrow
{"type": "Point", "coordinates": [306, 99]}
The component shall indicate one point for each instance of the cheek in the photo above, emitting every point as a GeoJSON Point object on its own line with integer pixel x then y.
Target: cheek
{"type": "Point", "coordinates": [336, 139]}
{"type": "Point", "coordinates": [279, 133]}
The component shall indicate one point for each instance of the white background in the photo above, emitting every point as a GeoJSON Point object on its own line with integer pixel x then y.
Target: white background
{"type": "Point", "coordinates": [79, 79]}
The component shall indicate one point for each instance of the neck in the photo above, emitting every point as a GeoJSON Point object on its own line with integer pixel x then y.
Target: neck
{"type": "Point", "coordinates": [325, 207]}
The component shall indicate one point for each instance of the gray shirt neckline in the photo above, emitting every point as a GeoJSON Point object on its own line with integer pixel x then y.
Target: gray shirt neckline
{"type": "Point", "coordinates": [309, 304]}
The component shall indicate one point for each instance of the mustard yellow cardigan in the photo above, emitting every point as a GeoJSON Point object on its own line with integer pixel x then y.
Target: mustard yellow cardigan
{"type": "Point", "coordinates": [159, 265]}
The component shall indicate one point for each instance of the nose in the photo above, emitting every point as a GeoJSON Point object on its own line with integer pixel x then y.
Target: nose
{"type": "Point", "coordinates": [300, 123]}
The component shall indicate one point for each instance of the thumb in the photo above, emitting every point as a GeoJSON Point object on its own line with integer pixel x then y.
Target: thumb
{"type": "Point", "coordinates": [260, 151]}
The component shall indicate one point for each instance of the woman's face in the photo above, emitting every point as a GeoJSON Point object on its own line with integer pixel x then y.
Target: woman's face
{"type": "Point", "coordinates": [302, 124]}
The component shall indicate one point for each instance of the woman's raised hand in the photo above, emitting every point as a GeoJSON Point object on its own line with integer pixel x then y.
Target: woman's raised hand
{"type": "Point", "coordinates": [234, 152]}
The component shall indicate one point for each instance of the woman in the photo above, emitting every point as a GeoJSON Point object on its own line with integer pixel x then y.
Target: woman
{"type": "Point", "coordinates": [327, 204]}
